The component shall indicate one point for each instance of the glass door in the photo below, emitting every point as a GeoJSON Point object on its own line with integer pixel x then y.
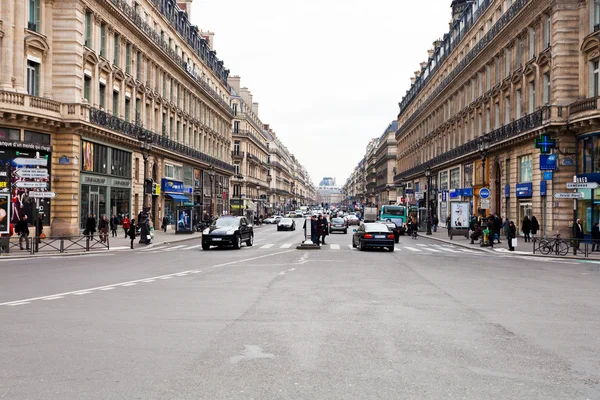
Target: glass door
{"type": "Point", "coordinates": [524, 209]}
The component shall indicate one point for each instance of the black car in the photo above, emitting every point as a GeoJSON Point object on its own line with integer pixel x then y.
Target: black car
{"type": "Point", "coordinates": [286, 224]}
{"type": "Point", "coordinates": [228, 231]}
{"type": "Point", "coordinates": [373, 234]}
{"type": "Point", "coordinates": [395, 229]}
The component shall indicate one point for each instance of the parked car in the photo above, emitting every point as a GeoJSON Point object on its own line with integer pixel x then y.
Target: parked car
{"type": "Point", "coordinates": [339, 225]}
{"type": "Point", "coordinates": [228, 231]}
{"type": "Point", "coordinates": [373, 234]}
{"type": "Point", "coordinates": [353, 220]}
{"type": "Point", "coordinates": [286, 224]}
{"type": "Point", "coordinates": [272, 220]}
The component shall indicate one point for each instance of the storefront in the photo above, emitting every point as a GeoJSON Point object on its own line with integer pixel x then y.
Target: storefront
{"type": "Point", "coordinates": [524, 193]}
{"type": "Point", "coordinates": [175, 194]}
{"type": "Point", "coordinates": [588, 174]}
{"type": "Point", "coordinates": [105, 182]}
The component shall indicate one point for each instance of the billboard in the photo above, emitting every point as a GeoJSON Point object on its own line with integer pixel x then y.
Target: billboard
{"type": "Point", "coordinates": [459, 214]}
{"type": "Point", "coordinates": [4, 213]}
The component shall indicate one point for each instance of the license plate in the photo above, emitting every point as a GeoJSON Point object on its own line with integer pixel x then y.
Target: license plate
{"type": "Point", "coordinates": [379, 236]}
{"type": "Point", "coordinates": [338, 226]}
{"type": "Point", "coordinates": [216, 239]}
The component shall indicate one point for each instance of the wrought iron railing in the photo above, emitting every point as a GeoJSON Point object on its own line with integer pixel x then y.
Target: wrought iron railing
{"type": "Point", "coordinates": [260, 143]}
{"type": "Point", "coordinates": [562, 247]}
{"type": "Point", "coordinates": [583, 105]}
{"type": "Point", "coordinates": [106, 120]}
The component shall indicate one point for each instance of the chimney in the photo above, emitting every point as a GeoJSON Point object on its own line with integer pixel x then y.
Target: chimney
{"type": "Point", "coordinates": [185, 5]}
{"type": "Point", "coordinates": [430, 53]}
{"type": "Point", "coordinates": [209, 36]}
{"type": "Point", "coordinates": [255, 108]}
{"type": "Point", "coordinates": [234, 82]}
{"type": "Point", "coordinates": [245, 95]}
{"type": "Point", "coordinates": [458, 8]}
{"type": "Point", "coordinates": [412, 80]}
{"type": "Point", "coordinates": [423, 64]}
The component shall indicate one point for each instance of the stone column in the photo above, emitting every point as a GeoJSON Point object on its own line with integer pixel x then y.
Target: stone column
{"type": "Point", "coordinates": [18, 58]}
{"type": "Point", "coordinates": [48, 57]}
{"type": "Point", "coordinates": [8, 43]}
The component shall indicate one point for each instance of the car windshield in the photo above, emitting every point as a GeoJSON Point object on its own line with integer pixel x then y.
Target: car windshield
{"type": "Point", "coordinates": [391, 210]}
{"type": "Point", "coordinates": [226, 222]}
{"type": "Point", "coordinates": [285, 221]}
{"type": "Point", "coordinates": [376, 228]}
{"type": "Point", "coordinates": [338, 221]}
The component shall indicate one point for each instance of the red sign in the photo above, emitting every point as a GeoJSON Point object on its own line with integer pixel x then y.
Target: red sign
{"type": "Point", "coordinates": [402, 199]}
{"type": "Point", "coordinates": [224, 195]}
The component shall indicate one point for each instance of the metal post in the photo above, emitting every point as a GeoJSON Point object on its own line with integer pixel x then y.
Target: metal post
{"type": "Point", "coordinates": [428, 205]}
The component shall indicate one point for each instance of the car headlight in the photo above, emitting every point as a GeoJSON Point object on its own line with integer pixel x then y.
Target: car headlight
{"type": "Point", "coordinates": [206, 231]}
{"type": "Point", "coordinates": [231, 232]}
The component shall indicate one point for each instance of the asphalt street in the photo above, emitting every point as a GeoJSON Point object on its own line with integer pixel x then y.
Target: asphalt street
{"type": "Point", "coordinates": [171, 321]}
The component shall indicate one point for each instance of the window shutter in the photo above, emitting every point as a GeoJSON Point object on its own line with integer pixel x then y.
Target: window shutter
{"type": "Point", "coordinates": [38, 13]}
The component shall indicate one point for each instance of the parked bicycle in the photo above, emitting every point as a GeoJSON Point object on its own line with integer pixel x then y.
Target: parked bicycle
{"type": "Point", "coordinates": [555, 246]}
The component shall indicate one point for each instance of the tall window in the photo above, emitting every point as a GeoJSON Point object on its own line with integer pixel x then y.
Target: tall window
{"type": "Point", "coordinates": [546, 31]}
{"type": "Point", "coordinates": [102, 96]}
{"type": "Point", "coordinates": [596, 15]}
{"type": "Point", "coordinates": [525, 169]}
{"type": "Point", "coordinates": [507, 62]}
{"type": "Point", "coordinates": [236, 147]}
{"type": "Point", "coordinates": [128, 58]}
{"type": "Point", "coordinates": [531, 107]}
{"type": "Point", "coordinates": [507, 110]}
{"type": "Point", "coordinates": [33, 78]}
{"type": "Point", "coordinates": [507, 169]}
{"type": "Point", "coordinates": [115, 104]}
{"type": "Point", "coordinates": [497, 70]}
{"type": "Point", "coordinates": [497, 116]}
{"type": "Point", "coordinates": [237, 168]}
{"type": "Point", "coordinates": [236, 126]}
{"type": "Point", "coordinates": [487, 120]}
{"type": "Point", "coordinates": [594, 78]}
{"type": "Point", "coordinates": [138, 65]}
{"type": "Point", "coordinates": [87, 88]}
{"type": "Point", "coordinates": [127, 109]}
{"type": "Point", "coordinates": [116, 49]}
{"type": "Point", "coordinates": [103, 40]}
{"type": "Point", "coordinates": [546, 93]}
{"type": "Point", "coordinates": [33, 22]}
{"type": "Point", "coordinates": [488, 78]}
{"type": "Point", "coordinates": [531, 43]}
{"type": "Point", "coordinates": [164, 84]}
{"type": "Point", "coordinates": [518, 105]}
{"type": "Point", "coordinates": [519, 52]}
{"type": "Point", "coordinates": [88, 29]}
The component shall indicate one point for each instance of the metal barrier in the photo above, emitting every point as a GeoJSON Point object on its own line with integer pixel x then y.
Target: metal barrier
{"type": "Point", "coordinates": [62, 244]}
{"type": "Point", "coordinates": [9, 244]}
{"type": "Point", "coordinates": [561, 247]}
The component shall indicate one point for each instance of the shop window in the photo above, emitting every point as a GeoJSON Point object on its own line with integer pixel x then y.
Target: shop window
{"type": "Point", "coordinates": [585, 155]}
{"type": "Point", "coordinates": [120, 163]}
{"type": "Point", "coordinates": [468, 175]}
{"type": "Point", "coordinates": [525, 168]}
{"type": "Point", "coordinates": [95, 158]}
{"type": "Point", "coordinates": [454, 178]}
{"type": "Point", "coordinates": [444, 180]}
{"type": "Point", "coordinates": [10, 134]}
{"type": "Point", "coordinates": [38, 138]}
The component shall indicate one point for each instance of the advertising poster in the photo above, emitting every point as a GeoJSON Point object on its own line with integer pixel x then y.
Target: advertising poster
{"type": "Point", "coordinates": [88, 156]}
{"type": "Point", "coordinates": [4, 213]}
{"type": "Point", "coordinates": [459, 214]}
{"type": "Point", "coordinates": [30, 172]}
{"type": "Point", "coordinates": [184, 220]}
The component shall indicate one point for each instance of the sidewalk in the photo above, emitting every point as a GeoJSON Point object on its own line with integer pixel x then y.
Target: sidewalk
{"type": "Point", "coordinates": [523, 248]}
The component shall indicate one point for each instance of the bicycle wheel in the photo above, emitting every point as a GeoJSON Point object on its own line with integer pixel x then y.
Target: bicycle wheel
{"type": "Point", "coordinates": [545, 247]}
{"type": "Point", "coordinates": [563, 248]}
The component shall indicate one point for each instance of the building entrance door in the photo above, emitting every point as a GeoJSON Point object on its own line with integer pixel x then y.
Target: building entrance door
{"type": "Point", "coordinates": [525, 208]}
{"type": "Point", "coordinates": [94, 207]}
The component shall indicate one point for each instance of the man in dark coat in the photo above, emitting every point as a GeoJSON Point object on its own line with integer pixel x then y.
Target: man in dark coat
{"type": "Point", "coordinates": [131, 232]}
{"type": "Point", "coordinates": [497, 226]}
{"type": "Point", "coordinates": [324, 229]}
{"type": "Point", "coordinates": [578, 232]}
{"type": "Point", "coordinates": [22, 229]}
{"type": "Point", "coordinates": [512, 235]}
{"type": "Point", "coordinates": [90, 226]}
{"type": "Point", "coordinates": [596, 237]}
{"type": "Point", "coordinates": [526, 228]}
{"type": "Point", "coordinates": [314, 235]}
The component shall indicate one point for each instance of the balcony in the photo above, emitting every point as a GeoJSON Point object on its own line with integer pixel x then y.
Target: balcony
{"type": "Point", "coordinates": [580, 106]}
{"type": "Point", "coordinates": [237, 155]}
{"type": "Point", "coordinates": [253, 137]}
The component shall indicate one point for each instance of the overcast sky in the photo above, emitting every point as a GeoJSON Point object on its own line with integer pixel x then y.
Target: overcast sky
{"type": "Point", "coordinates": [328, 74]}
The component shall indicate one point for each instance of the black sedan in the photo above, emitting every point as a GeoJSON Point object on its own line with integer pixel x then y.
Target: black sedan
{"type": "Point", "coordinates": [228, 231]}
{"type": "Point", "coordinates": [286, 224]}
{"type": "Point", "coordinates": [373, 235]}
{"type": "Point", "coordinates": [395, 230]}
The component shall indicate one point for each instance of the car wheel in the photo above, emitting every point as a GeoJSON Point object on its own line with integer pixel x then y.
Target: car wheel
{"type": "Point", "coordinates": [238, 242]}
{"type": "Point", "coordinates": [391, 248]}
{"type": "Point", "coordinates": [250, 241]}
{"type": "Point", "coordinates": [205, 246]}
{"type": "Point", "coordinates": [361, 246]}
{"type": "Point", "coordinates": [353, 244]}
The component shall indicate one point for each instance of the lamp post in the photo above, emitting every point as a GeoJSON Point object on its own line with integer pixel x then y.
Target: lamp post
{"type": "Point", "coordinates": [428, 175]}
{"type": "Point", "coordinates": [483, 148]}
{"type": "Point", "coordinates": [211, 175]}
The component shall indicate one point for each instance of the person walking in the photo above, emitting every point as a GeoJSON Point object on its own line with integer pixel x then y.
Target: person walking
{"type": "Point", "coordinates": [103, 228]}
{"type": "Point", "coordinates": [497, 227]}
{"type": "Point", "coordinates": [324, 229]}
{"type": "Point", "coordinates": [435, 221]}
{"type": "Point", "coordinates": [131, 232]}
{"type": "Point", "coordinates": [164, 223]}
{"type": "Point", "coordinates": [90, 226]}
{"type": "Point", "coordinates": [505, 227]}
{"type": "Point", "coordinates": [126, 225]}
{"type": "Point", "coordinates": [22, 229]}
{"type": "Point", "coordinates": [534, 225]}
{"type": "Point", "coordinates": [314, 236]}
{"type": "Point", "coordinates": [512, 235]}
{"type": "Point", "coordinates": [526, 228]}
{"type": "Point", "coordinates": [578, 233]}
{"type": "Point", "coordinates": [491, 230]}
{"type": "Point", "coordinates": [596, 237]}
{"type": "Point", "coordinates": [39, 229]}
{"type": "Point", "coordinates": [114, 222]}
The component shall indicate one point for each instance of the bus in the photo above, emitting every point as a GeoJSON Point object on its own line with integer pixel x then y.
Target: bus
{"type": "Point", "coordinates": [395, 214]}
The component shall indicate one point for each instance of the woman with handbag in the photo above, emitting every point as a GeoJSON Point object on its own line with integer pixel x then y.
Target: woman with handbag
{"type": "Point", "coordinates": [512, 235]}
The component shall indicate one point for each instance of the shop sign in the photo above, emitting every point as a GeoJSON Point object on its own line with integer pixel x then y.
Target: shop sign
{"type": "Point", "coordinates": [567, 161]}
{"type": "Point", "coordinates": [548, 162]}
{"type": "Point", "coordinates": [585, 178]}
{"type": "Point", "coordinates": [547, 175]}
{"type": "Point", "coordinates": [93, 180]}
{"type": "Point", "coordinates": [507, 190]}
{"type": "Point", "coordinates": [28, 146]}
{"type": "Point", "coordinates": [171, 186]}
{"type": "Point", "coordinates": [444, 195]}
{"type": "Point", "coordinates": [120, 182]}
{"type": "Point", "coordinates": [524, 189]}
{"type": "Point", "coordinates": [543, 188]}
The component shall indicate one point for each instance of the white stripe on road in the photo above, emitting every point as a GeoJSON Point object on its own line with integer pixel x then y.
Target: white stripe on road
{"type": "Point", "coordinates": [153, 248]}
{"type": "Point", "coordinates": [398, 248]}
{"type": "Point", "coordinates": [107, 288]}
{"type": "Point", "coordinates": [175, 247]}
{"type": "Point", "coordinates": [267, 246]}
{"type": "Point", "coordinates": [412, 249]}
{"type": "Point", "coordinates": [193, 247]}
{"type": "Point", "coordinates": [286, 246]}
{"type": "Point", "coordinates": [129, 284]}
{"type": "Point", "coordinates": [119, 248]}
{"type": "Point", "coordinates": [54, 298]}
{"type": "Point", "coordinates": [446, 248]}
{"type": "Point", "coordinates": [334, 246]}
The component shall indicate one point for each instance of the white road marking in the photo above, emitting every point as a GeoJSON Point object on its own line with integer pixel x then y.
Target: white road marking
{"type": "Point", "coordinates": [118, 248]}
{"type": "Point", "coordinates": [267, 246]}
{"type": "Point", "coordinates": [412, 249]}
{"type": "Point", "coordinates": [153, 248]}
{"type": "Point", "coordinates": [350, 247]}
{"type": "Point", "coordinates": [174, 248]}
{"type": "Point", "coordinates": [334, 246]}
{"type": "Point", "coordinates": [129, 284]}
{"type": "Point", "coordinates": [446, 248]}
{"type": "Point", "coordinates": [145, 280]}
{"type": "Point", "coordinates": [193, 247]}
{"type": "Point", "coordinates": [166, 277]}
{"type": "Point", "coordinates": [53, 298]}
{"type": "Point", "coordinates": [398, 248]}
{"type": "Point", "coordinates": [81, 293]}
{"type": "Point", "coordinates": [286, 246]}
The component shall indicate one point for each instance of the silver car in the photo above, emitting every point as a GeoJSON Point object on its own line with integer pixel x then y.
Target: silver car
{"type": "Point", "coordinates": [338, 225]}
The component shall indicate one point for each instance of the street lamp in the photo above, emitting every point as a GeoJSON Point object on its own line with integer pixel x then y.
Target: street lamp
{"type": "Point", "coordinates": [483, 146]}
{"type": "Point", "coordinates": [211, 175]}
{"type": "Point", "coordinates": [388, 187]}
{"type": "Point", "coordinates": [428, 176]}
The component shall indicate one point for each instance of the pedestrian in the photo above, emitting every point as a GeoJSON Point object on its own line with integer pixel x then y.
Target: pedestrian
{"type": "Point", "coordinates": [165, 223]}
{"type": "Point", "coordinates": [512, 236]}
{"type": "Point", "coordinates": [114, 222]}
{"type": "Point", "coordinates": [505, 227]}
{"type": "Point", "coordinates": [324, 229]}
{"type": "Point", "coordinates": [578, 233]}
{"type": "Point", "coordinates": [126, 225]}
{"type": "Point", "coordinates": [131, 232]}
{"type": "Point", "coordinates": [526, 228]}
{"type": "Point", "coordinates": [22, 229]}
{"type": "Point", "coordinates": [476, 235]}
{"type": "Point", "coordinates": [39, 228]}
{"type": "Point", "coordinates": [448, 222]}
{"type": "Point", "coordinates": [596, 237]}
{"type": "Point", "coordinates": [491, 230]}
{"type": "Point", "coordinates": [90, 226]}
{"type": "Point", "coordinates": [497, 227]}
{"type": "Point", "coordinates": [103, 228]}
{"type": "Point", "coordinates": [195, 222]}
{"type": "Point", "coordinates": [436, 221]}
{"type": "Point", "coordinates": [314, 235]}
{"type": "Point", "coordinates": [534, 225]}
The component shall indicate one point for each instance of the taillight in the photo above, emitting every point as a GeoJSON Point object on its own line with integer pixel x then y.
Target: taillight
{"type": "Point", "coordinates": [390, 236]}
{"type": "Point", "coordinates": [368, 236]}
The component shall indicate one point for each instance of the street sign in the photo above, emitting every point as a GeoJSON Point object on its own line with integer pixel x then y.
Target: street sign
{"type": "Point", "coordinates": [568, 195]}
{"type": "Point", "coordinates": [42, 195]}
{"type": "Point", "coordinates": [419, 196]}
{"type": "Point", "coordinates": [484, 193]}
{"type": "Point", "coordinates": [31, 161]}
{"type": "Point", "coordinates": [32, 173]}
{"type": "Point", "coordinates": [31, 185]}
{"type": "Point", "coordinates": [485, 204]}
{"type": "Point", "coordinates": [586, 185]}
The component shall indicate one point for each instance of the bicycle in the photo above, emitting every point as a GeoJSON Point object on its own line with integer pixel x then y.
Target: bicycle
{"type": "Point", "coordinates": [556, 246]}
{"type": "Point", "coordinates": [413, 232]}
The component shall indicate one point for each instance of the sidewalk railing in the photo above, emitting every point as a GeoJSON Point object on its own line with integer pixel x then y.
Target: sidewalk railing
{"type": "Point", "coordinates": [562, 247]}
{"type": "Point", "coordinates": [62, 244]}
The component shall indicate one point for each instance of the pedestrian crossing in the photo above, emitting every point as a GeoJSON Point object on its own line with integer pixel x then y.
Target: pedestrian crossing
{"type": "Point", "coordinates": [419, 248]}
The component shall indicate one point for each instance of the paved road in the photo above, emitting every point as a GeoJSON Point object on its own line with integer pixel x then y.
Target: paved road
{"type": "Point", "coordinates": [427, 321]}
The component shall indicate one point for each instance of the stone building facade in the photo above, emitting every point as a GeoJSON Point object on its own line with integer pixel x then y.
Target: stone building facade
{"type": "Point", "coordinates": [111, 93]}
{"type": "Point", "coordinates": [507, 73]}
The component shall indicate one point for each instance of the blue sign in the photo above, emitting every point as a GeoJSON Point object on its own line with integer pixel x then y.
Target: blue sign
{"type": "Point", "coordinates": [548, 162]}
{"type": "Point", "coordinates": [507, 190]}
{"type": "Point", "coordinates": [171, 186]}
{"type": "Point", "coordinates": [547, 175]}
{"type": "Point", "coordinates": [454, 193]}
{"type": "Point", "coordinates": [524, 189]}
{"type": "Point", "coordinates": [543, 188]}
{"type": "Point", "coordinates": [410, 191]}
{"type": "Point", "coordinates": [587, 178]}
{"type": "Point", "coordinates": [467, 192]}
{"type": "Point", "coordinates": [567, 161]}
{"type": "Point", "coordinates": [444, 195]}
{"type": "Point", "coordinates": [484, 193]}
{"type": "Point", "coordinates": [63, 160]}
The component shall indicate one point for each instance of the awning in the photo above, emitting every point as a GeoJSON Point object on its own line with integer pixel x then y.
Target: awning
{"type": "Point", "coordinates": [178, 197]}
